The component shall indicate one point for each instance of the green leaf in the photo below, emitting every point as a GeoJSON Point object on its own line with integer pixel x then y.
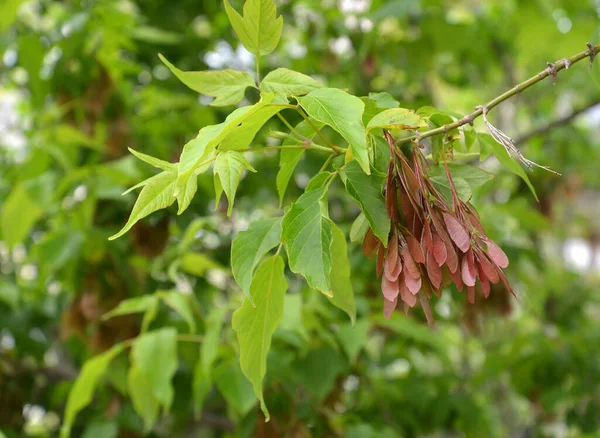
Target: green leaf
{"type": "Point", "coordinates": [155, 354]}
{"type": "Point", "coordinates": [341, 284]}
{"type": "Point", "coordinates": [212, 334]}
{"type": "Point", "coordinates": [259, 29]}
{"type": "Point", "coordinates": [318, 181]}
{"type": "Point", "coordinates": [154, 35]}
{"type": "Point", "coordinates": [359, 228]}
{"type": "Point", "coordinates": [83, 389]}
{"type": "Point", "coordinates": [184, 197]}
{"type": "Point", "coordinates": [100, 429]}
{"type": "Point", "coordinates": [218, 190]}
{"type": "Point", "coordinates": [343, 112]}
{"type": "Point", "coordinates": [397, 118]}
{"type": "Point", "coordinates": [208, 353]}
{"type": "Point", "coordinates": [143, 400]}
{"type": "Point", "coordinates": [9, 294]}
{"type": "Point", "coordinates": [19, 214]}
{"type": "Point", "coordinates": [226, 86]}
{"type": "Point", "coordinates": [319, 369]}
{"type": "Point", "coordinates": [290, 158]}
{"type": "Point", "coordinates": [181, 304]}
{"type": "Point", "coordinates": [241, 135]}
{"type": "Point", "coordinates": [292, 315]}
{"type": "Point", "coordinates": [306, 232]}
{"type": "Point", "coordinates": [255, 325]}
{"type": "Point", "coordinates": [158, 193]}
{"type": "Point", "coordinates": [353, 338]}
{"type": "Point", "coordinates": [475, 177]}
{"type": "Point", "coordinates": [463, 190]}
{"type": "Point", "coordinates": [384, 100]}
{"type": "Point", "coordinates": [248, 248]}
{"type": "Point", "coordinates": [232, 133]}
{"type": "Point", "coordinates": [8, 13]}
{"type": "Point", "coordinates": [288, 83]}
{"type": "Point", "coordinates": [505, 159]}
{"type": "Point", "coordinates": [201, 386]}
{"type": "Point", "coordinates": [160, 164]}
{"type": "Point", "coordinates": [234, 387]}
{"type": "Point", "coordinates": [229, 166]}
{"type": "Point", "coordinates": [198, 264]}
{"type": "Point", "coordinates": [366, 190]}
{"type": "Point", "coordinates": [132, 305]}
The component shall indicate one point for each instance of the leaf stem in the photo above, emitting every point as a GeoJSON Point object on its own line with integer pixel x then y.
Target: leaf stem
{"type": "Point", "coordinates": [190, 338]}
{"type": "Point", "coordinates": [327, 162]}
{"type": "Point", "coordinates": [257, 69]}
{"type": "Point", "coordinates": [272, 148]}
{"type": "Point", "coordinates": [551, 70]}
{"type": "Point", "coordinates": [336, 149]}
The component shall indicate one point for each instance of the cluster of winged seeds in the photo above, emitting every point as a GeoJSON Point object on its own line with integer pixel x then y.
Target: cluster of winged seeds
{"type": "Point", "coordinates": [431, 243]}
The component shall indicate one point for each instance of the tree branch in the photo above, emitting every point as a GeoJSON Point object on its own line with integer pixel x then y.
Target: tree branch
{"type": "Point", "coordinates": [542, 130]}
{"type": "Point", "coordinates": [551, 70]}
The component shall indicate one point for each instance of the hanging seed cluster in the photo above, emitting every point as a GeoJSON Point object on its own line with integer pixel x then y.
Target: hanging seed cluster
{"type": "Point", "coordinates": [431, 244]}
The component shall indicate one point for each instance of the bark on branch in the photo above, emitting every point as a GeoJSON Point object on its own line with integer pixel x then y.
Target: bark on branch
{"type": "Point", "coordinates": [552, 70]}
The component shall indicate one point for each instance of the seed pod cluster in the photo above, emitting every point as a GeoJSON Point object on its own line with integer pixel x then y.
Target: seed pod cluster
{"type": "Point", "coordinates": [432, 243]}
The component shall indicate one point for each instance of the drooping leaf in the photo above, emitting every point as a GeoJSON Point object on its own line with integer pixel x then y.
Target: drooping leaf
{"type": "Point", "coordinates": [505, 159]}
{"type": "Point", "coordinates": [131, 305]}
{"type": "Point", "coordinates": [307, 236]}
{"type": "Point", "coordinates": [290, 158]}
{"type": "Point", "coordinates": [366, 190]}
{"type": "Point", "coordinates": [98, 429]}
{"type": "Point", "coordinates": [226, 86]}
{"type": "Point", "coordinates": [155, 354]}
{"type": "Point", "coordinates": [156, 162]}
{"type": "Point", "coordinates": [159, 192]}
{"type": "Point", "coordinates": [353, 338]}
{"type": "Point", "coordinates": [341, 284]}
{"type": "Point", "coordinates": [181, 304]}
{"type": "Point", "coordinates": [241, 135]}
{"type": "Point", "coordinates": [259, 29]}
{"type": "Point", "coordinates": [143, 400]}
{"type": "Point", "coordinates": [9, 294]}
{"type": "Point", "coordinates": [384, 100]}
{"type": "Point", "coordinates": [197, 152]}
{"type": "Point", "coordinates": [198, 264]}
{"type": "Point", "coordinates": [319, 369]}
{"type": "Point", "coordinates": [19, 213]}
{"type": "Point", "coordinates": [359, 228]}
{"type": "Point", "coordinates": [184, 196]}
{"type": "Point", "coordinates": [248, 248]}
{"type": "Point", "coordinates": [343, 112]}
{"type": "Point", "coordinates": [203, 374]}
{"type": "Point", "coordinates": [318, 181]}
{"type": "Point", "coordinates": [255, 325]}
{"type": "Point", "coordinates": [230, 165]}
{"type": "Point", "coordinates": [83, 389]}
{"type": "Point", "coordinates": [292, 320]}
{"type": "Point", "coordinates": [288, 83]}
{"type": "Point", "coordinates": [463, 190]}
{"type": "Point", "coordinates": [234, 387]}
{"type": "Point", "coordinates": [212, 334]}
{"type": "Point", "coordinates": [475, 177]}
{"type": "Point", "coordinates": [397, 118]}
{"type": "Point", "coordinates": [201, 385]}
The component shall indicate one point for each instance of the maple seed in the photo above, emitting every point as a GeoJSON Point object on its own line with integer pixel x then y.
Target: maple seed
{"type": "Point", "coordinates": [451, 244]}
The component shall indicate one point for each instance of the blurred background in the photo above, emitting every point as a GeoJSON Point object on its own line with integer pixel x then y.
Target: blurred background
{"type": "Point", "coordinates": [80, 81]}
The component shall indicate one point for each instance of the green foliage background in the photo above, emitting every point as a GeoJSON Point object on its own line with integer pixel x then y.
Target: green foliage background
{"type": "Point", "coordinates": [88, 84]}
